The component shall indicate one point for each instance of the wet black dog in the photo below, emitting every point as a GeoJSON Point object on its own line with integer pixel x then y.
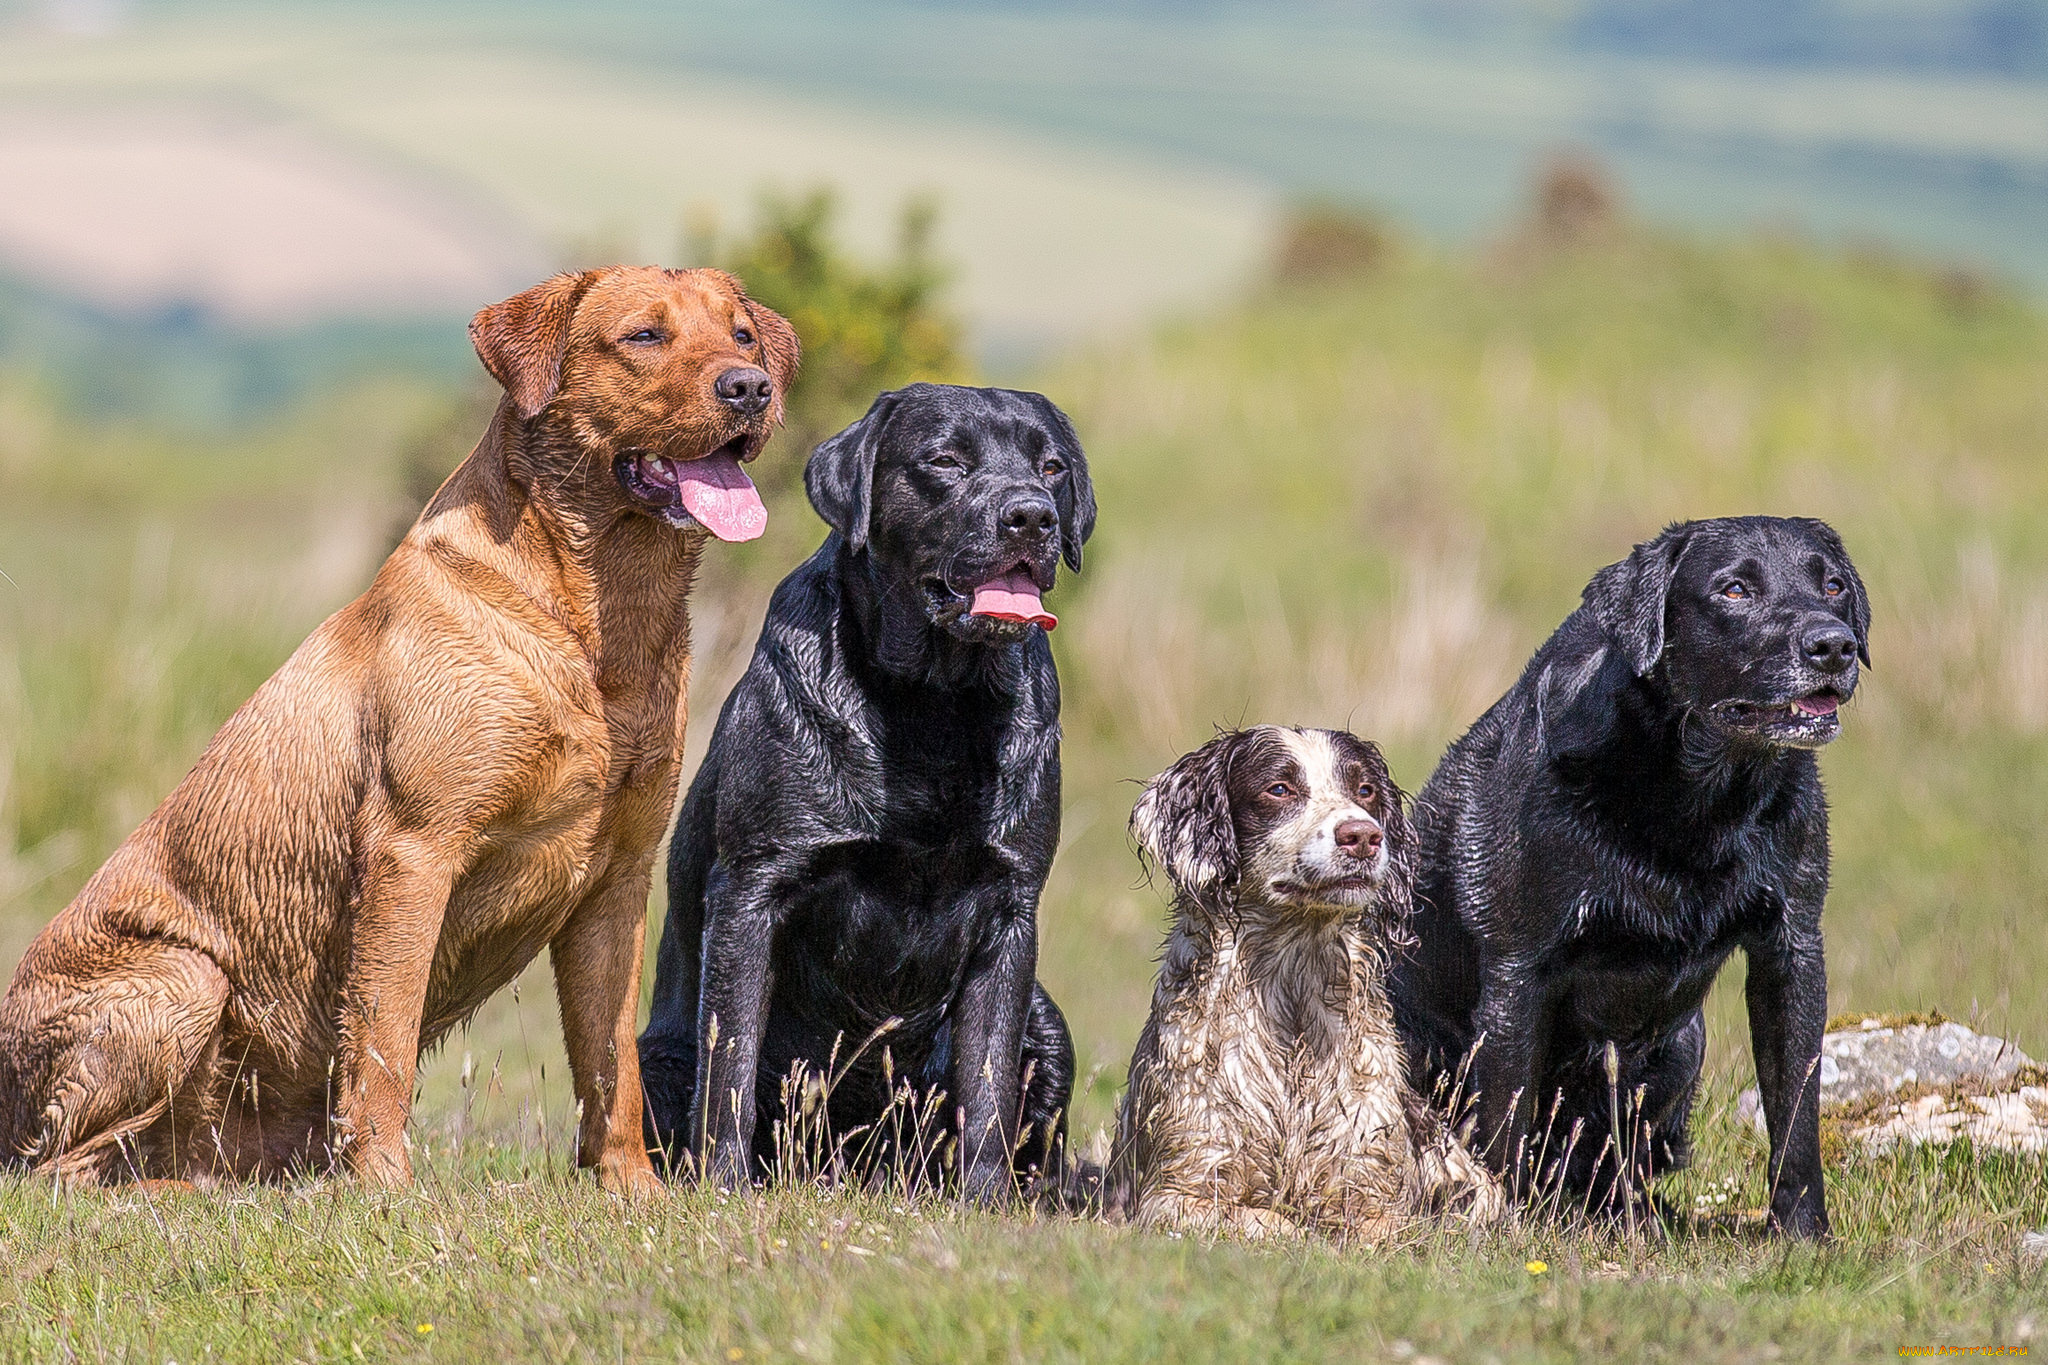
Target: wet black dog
{"type": "Point", "coordinates": [1643, 802]}
{"type": "Point", "coordinates": [869, 834]}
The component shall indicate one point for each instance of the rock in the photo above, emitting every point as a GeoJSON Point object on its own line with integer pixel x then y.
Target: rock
{"type": "Point", "coordinates": [2015, 1122]}
{"type": "Point", "coordinates": [2034, 1245]}
{"type": "Point", "coordinates": [1872, 1060]}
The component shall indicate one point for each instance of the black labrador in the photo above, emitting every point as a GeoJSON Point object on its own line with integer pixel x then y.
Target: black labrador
{"type": "Point", "coordinates": [863, 850]}
{"type": "Point", "coordinates": [1645, 800]}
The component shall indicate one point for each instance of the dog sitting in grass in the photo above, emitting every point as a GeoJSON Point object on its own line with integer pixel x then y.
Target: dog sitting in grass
{"type": "Point", "coordinates": [1268, 1091]}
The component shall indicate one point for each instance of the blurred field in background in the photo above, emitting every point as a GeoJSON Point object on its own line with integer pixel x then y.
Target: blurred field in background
{"type": "Point", "coordinates": [1358, 496]}
{"type": "Point", "coordinates": [1353, 469]}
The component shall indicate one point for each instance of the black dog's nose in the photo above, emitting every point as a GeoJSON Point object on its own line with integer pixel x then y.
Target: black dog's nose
{"type": "Point", "coordinates": [1029, 515]}
{"type": "Point", "coordinates": [1359, 839]}
{"type": "Point", "coordinates": [1829, 646]}
{"type": "Point", "coordinates": [745, 388]}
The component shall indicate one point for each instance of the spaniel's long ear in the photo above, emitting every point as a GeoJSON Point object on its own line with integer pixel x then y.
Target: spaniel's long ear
{"type": "Point", "coordinates": [523, 340]}
{"type": "Point", "coordinates": [1404, 847]}
{"type": "Point", "coordinates": [1628, 598]}
{"type": "Point", "coordinates": [1182, 822]}
{"type": "Point", "coordinates": [1389, 806]}
{"type": "Point", "coordinates": [1402, 841]}
{"type": "Point", "coordinates": [840, 477]}
{"type": "Point", "coordinates": [1859, 600]}
{"type": "Point", "coordinates": [780, 349]}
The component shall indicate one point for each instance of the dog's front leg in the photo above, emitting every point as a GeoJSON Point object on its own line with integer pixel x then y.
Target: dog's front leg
{"type": "Point", "coordinates": [1504, 1074]}
{"type": "Point", "coordinates": [988, 1034]}
{"type": "Point", "coordinates": [1787, 997]}
{"type": "Point", "coordinates": [732, 1007]}
{"type": "Point", "coordinates": [406, 881]}
{"type": "Point", "coordinates": [597, 958]}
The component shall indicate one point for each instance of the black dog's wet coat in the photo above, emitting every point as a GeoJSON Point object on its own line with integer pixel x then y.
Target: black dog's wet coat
{"type": "Point", "coordinates": [1644, 801]}
{"type": "Point", "coordinates": [880, 805]}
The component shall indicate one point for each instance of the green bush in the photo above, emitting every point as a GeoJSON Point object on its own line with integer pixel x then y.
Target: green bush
{"type": "Point", "coordinates": [864, 328]}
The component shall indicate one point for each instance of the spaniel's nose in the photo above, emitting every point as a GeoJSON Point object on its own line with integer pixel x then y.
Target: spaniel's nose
{"type": "Point", "coordinates": [744, 388]}
{"type": "Point", "coordinates": [1359, 839]}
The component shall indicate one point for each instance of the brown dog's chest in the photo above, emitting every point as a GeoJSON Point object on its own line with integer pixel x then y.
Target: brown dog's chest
{"type": "Point", "coordinates": [594, 814]}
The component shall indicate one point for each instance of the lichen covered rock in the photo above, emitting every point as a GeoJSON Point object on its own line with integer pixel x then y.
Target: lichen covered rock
{"type": "Point", "coordinates": [1887, 1082]}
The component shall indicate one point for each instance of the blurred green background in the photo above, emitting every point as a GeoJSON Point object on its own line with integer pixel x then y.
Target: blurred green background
{"type": "Point", "coordinates": [1384, 327]}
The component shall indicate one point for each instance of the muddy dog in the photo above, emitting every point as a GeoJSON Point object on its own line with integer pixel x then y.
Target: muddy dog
{"type": "Point", "coordinates": [1644, 801]}
{"type": "Point", "coordinates": [1268, 1092]}
{"type": "Point", "coordinates": [865, 845]}
{"type": "Point", "coordinates": [472, 761]}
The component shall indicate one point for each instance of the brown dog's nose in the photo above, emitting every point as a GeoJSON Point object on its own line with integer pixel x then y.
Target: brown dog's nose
{"type": "Point", "coordinates": [1359, 839]}
{"type": "Point", "coordinates": [745, 388]}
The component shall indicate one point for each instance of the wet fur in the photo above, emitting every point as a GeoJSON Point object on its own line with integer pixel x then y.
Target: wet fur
{"type": "Point", "coordinates": [471, 762]}
{"type": "Point", "coordinates": [1268, 1091]}
{"type": "Point", "coordinates": [1600, 843]}
{"type": "Point", "coordinates": [871, 829]}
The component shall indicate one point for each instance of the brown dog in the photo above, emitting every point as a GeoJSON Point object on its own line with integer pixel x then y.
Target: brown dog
{"type": "Point", "coordinates": [473, 760]}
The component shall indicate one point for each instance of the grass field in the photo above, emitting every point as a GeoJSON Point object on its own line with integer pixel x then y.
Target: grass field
{"type": "Point", "coordinates": [1354, 501]}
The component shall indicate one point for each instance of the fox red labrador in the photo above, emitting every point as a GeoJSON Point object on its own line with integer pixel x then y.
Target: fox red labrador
{"type": "Point", "coordinates": [472, 761]}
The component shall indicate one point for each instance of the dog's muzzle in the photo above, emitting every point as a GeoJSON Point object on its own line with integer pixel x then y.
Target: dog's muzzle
{"type": "Point", "coordinates": [1807, 721]}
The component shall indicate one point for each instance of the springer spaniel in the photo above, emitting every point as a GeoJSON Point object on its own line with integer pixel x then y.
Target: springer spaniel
{"type": "Point", "coordinates": [1268, 1092]}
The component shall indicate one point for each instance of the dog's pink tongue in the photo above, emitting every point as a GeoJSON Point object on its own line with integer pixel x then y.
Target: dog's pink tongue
{"type": "Point", "coordinates": [718, 493]}
{"type": "Point", "coordinates": [1013, 597]}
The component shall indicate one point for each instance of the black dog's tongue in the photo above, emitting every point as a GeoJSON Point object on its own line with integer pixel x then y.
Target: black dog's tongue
{"type": "Point", "coordinates": [1012, 597]}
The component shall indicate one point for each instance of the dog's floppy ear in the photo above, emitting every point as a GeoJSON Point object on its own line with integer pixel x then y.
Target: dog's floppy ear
{"type": "Point", "coordinates": [1403, 844]}
{"type": "Point", "coordinates": [523, 340]}
{"type": "Point", "coordinates": [1628, 598]}
{"type": "Point", "coordinates": [1077, 494]}
{"type": "Point", "coordinates": [1575, 702]}
{"type": "Point", "coordinates": [840, 477]}
{"type": "Point", "coordinates": [780, 346]}
{"type": "Point", "coordinates": [1183, 824]}
{"type": "Point", "coordinates": [1859, 604]}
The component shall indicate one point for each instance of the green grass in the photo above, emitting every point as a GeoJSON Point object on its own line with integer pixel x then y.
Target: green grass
{"type": "Point", "coordinates": [1360, 504]}
{"type": "Point", "coordinates": [504, 1256]}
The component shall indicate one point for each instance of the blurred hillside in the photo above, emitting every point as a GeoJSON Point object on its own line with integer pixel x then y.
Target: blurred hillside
{"type": "Point", "coordinates": [1358, 494]}
{"type": "Point", "coordinates": [1919, 121]}
{"type": "Point", "coordinates": [213, 199]}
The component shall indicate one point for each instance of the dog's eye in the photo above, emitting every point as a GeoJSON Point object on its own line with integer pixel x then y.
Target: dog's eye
{"type": "Point", "coordinates": [1055, 467]}
{"type": "Point", "coordinates": [943, 462]}
{"type": "Point", "coordinates": [1280, 790]}
{"type": "Point", "coordinates": [1736, 591]}
{"type": "Point", "coordinates": [1834, 587]}
{"type": "Point", "coordinates": [1366, 791]}
{"type": "Point", "coordinates": [743, 336]}
{"type": "Point", "coordinates": [646, 336]}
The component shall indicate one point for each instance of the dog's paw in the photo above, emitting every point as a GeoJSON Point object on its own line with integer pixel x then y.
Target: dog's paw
{"type": "Point", "coordinates": [377, 1169]}
{"type": "Point", "coordinates": [631, 1180]}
